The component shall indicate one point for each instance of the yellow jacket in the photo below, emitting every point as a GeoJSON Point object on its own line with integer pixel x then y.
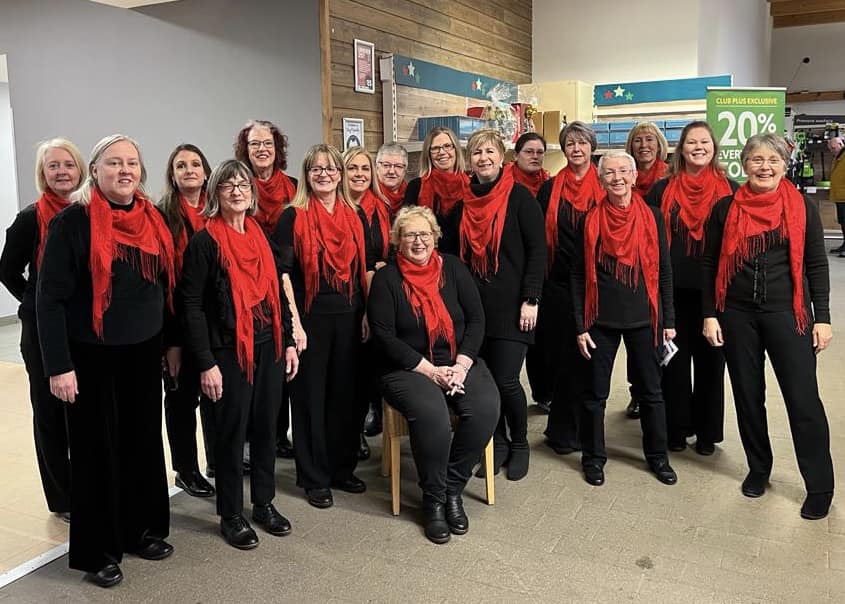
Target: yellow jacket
{"type": "Point", "coordinates": [837, 178]}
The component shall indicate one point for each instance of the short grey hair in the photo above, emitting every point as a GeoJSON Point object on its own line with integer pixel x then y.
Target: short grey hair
{"type": "Point", "coordinates": [406, 214]}
{"type": "Point", "coordinates": [392, 148]}
{"type": "Point", "coordinates": [576, 130]}
{"type": "Point", "coordinates": [772, 141]}
{"type": "Point", "coordinates": [223, 172]}
{"type": "Point", "coordinates": [616, 154]}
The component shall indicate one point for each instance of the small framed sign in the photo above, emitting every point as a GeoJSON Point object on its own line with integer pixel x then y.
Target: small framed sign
{"type": "Point", "coordinates": [353, 132]}
{"type": "Point", "coordinates": [365, 77]}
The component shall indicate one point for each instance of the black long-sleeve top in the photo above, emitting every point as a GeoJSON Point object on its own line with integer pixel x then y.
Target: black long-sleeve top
{"type": "Point", "coordinates": [402, 339]}
{"type": "Point", "coordinates": [64, 299]}
{"type": "Point", "coordinates": [449, 223]}
{"type": "Point", "coordinates": [207, 307]}
{"type": "Point", "coordinates": [764, 283]}
{"type": "Point", "coordinates": [621, 306]}
{"type": "Point", "coordinates": [328, 300]}
{"type": "Point", "coordinates": [567, 234]}
{"type": "Point", "coordinates": [686, 268]}
{"type": "Point", "coordinates": [522, 264]}
{"type": "Point", "coordinates": [19, 257]}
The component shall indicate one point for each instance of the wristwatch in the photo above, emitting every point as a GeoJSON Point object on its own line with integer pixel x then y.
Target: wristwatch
{"type": "Point", "coordinates": [532, 301]}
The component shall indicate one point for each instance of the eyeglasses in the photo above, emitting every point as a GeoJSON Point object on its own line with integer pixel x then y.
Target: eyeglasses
{"type": "Point", "coordinates": [611, 174]}
{"type": "Point", "coordinates": [539, 152]}
{"type": "Point", "coordinates": [255, 145]}
{"type": "Point", "coordinates": [317, 170]}
{"type": "Point", "coordinates": [228, 187]}
{"type": "Point", "coordinates": [388, 166]}
{"type": "Point", "coordinates": [425, 236]}
{"type": "Point", "coordinates": [759, 161]}
{"type": "Point", "coordinates": [448, 147]}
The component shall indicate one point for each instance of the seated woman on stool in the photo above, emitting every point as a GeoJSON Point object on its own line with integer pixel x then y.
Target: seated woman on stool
{"type": "Point", "coordinates": [427, 319]}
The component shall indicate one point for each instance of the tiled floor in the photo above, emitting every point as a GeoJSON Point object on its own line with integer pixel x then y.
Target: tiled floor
{"type": "Point", "coordinates": [549, 538]}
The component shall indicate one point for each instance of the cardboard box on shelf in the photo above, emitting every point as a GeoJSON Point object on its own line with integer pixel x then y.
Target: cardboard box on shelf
{"type": "Point", "coordinates": [538, 125]}
{"type": "Point", "coordinates": [551, 125]}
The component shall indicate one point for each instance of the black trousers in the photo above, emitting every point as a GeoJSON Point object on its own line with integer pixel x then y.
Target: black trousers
{"type": "Point", "coordinates": [326, 418]}
{"type": "Point", "coordinates": [180, 417]}
{"type": "Point", "coordinates": [367, 382]}
{"type": "Point", "coordinates": [695, 402]}
{"type": "Point", "coordinates": [119, 489]}
{"type": "Point", "coordinates": [283, 423]}
{"type": "Point", "coordinates": [542, 358]}
{"type": "Point", "coordinates": [748, 337]}
{"type": "Point", "coordinates": [49, 424]}
{"type": "Point", "coordinates": [645, 382]}
{"type": "Point", "coordinates": [444, 463]}
{"type": "Point", "coordinates": [243, 404]}
{"type": "Point", "coordinates": [504, 358]}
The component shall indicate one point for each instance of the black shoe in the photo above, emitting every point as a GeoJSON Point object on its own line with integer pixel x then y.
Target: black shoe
{"type": "Point", "coordinates": [594, 475]}
{"type": "Point", "coordinates": [456, 517]}
{"type": "Point", "coordinates": [754, 485]}
{"type": "Point", "coordinates": [63, 516]}
{"type": "Point", "coordinates": [153, 548]}
{"type": "Point", "coordinates": [664, 472]}
{"type": "Point", "coordinates": [816, 506]}
{"type": "Point", "coordinates": [633, 410]}
{"type": "Point", "coordinates": [238, 533]}
{"type": "Point", "coordinates": [372, 424]}
{"type": "Point", "coordinates": [841, 254]}
{"type": "Point", "coordinates": [284, 448]}
{"type": "Point", "coordinates": [194, 484]}
{"type": "Point", "coordinates": [561, 449]}
{"type": "Point", "coordinates": [364, 449]}
{"type": "Point", "coordinates": [677, 445]}
{"type": "Point", "coordinates": [837, 250]}
{"type": "Point", "coordinates": [268, 518]}
{"type": "Point", "coordinates": [320, 498]}
{"type": "Point", "coordinates": [704, 448]}
{"type": "Point", "coordinates": [209, 471]}
{"type": "Point", "coordinates": [108, 576]}
{"type": "Point", "coordinates": [518, 461]}
{"type": "Point", "coordinates": [352, 484]}
{"type": "Point", "coordinates": [544, 406]}
{"type": "Point", "coordinates": [436, 527]}
{"type": "Point", "coordinates": [501, 454]}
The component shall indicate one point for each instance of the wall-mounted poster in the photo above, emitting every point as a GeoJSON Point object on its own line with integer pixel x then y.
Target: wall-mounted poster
{"type": "Point", "coordinates": [353, 132]}
{"type": "Point", "coordinates": [365, 77]}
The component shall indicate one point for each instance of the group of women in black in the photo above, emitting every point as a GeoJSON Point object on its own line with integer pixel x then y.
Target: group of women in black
{"type": "Point", "coordinates": [351, 285]}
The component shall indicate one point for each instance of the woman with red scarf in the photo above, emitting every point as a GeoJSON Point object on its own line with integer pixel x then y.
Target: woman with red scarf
{"type": "Point", "coordinates": [238, 330]}
{"type": "Point", "coordinates": [766, 292]}
{"type": "Point", "coordinates": [622, 289]}
{"type": "Point", "coordinates": [696, 183]}
{"type": "Point", "coordinates": [503, 244]}
{"type": "Point", "coordinates": [428, 322]}
{"type": "Point", "coordinates": [182, 205]}
{"type": "Point", "coordinates": [527, 167]}
{"type": "Point", "coordinates": [440, 186]}
{"type": "Point", "coordinates": [326, 256]}
{"type": "Point", "coordinates": [59, 169]}
{"type": "Point", "coordinates": [104, 294]}
{"type": "Point", "coordinates": [565, 200]}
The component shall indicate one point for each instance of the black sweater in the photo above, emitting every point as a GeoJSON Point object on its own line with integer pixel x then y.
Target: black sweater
{"type": "Point", "coordinates": [449, 223]}
{"type": "Point", "coordinates": [402, 339]}
{"type": "Point", "coordinates": [686, 269]}
{"type": "Point", "coordinates": [64, 295]}
{"type": "Point", "coordinates": [207, 308]}
{"type": "Point", "coordinates": [522, 264]}
{"type": "Point", "coordinates": [764, 283]}
{"type": "Point", "coordinates": [327, 301]}
{"type": "Point", "coordinates": [22, 240]}
{"type": "Point", "coordinates": [567, 235]}
{"type": "Point", "coordinates": [620, 306]}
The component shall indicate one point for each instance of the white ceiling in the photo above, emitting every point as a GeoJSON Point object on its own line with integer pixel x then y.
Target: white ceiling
{"type": "Point", "coordinates": [131, 3]}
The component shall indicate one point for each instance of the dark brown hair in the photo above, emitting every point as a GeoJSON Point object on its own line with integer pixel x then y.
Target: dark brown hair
{"type": "Point", "coordinates": [280, 143]}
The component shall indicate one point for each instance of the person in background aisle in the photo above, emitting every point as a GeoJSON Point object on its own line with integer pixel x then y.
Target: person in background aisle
{"type": "Point", "coordinates": [59, 168]}
{"type": "Point", "coordinates": [441, 183]}
{"type": "Point", "coordinates": [182, 205]}
{"type": "Point", "coordinates": [325, 254]}
{"type": "Point", "coordinates": [428, 321]}
{"type": "Point", "coordinates": [238, 329]}
{"type": "Point", "coordinates": [103, 302]}
{"type": "Point", "coordinates": [649, 148]}
{"type": "Point", "coordinates": [264, 148]}
{"type": "Point", "coordinates": [502, 243]}
{"type": "Point", "coordinates": [565, 200]}
{"type": "Point", "coordinates": [765, 293]}
{"type": "Point", "coordinates": [694, 405]}
{"type": "Point", "coordinates": [622, 290]}
{"type": "Point", "coordinates": [837, 186]}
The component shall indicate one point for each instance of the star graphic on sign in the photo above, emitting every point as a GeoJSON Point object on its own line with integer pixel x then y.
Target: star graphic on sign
{"type": "Point", "coordinates": [608, 94]}
{"type": "Point", "coordinates": [629, 96]}
{"type": "Point", "coordinates": [619, 91]}
{"type": "Point", "coordinates": [411, 68]}
{"type": "Point", "coordinates": [478, 84]}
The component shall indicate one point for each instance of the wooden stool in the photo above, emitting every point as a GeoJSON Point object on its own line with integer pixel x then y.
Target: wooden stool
{"type": "Point", "coordinates": [394, 427]}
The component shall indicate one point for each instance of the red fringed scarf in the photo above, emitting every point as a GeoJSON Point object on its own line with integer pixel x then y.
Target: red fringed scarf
{"type": "Point", "coordinates": [113, 233]}
{"type": "Point", "coordinates": [753, 222]}
{"type": "Point", "coordinates": [532, 182]}
{"type": "Point", "coordinates": [646, 180]}
{"type": "Point", "coordinates": [394, 200]}
{"type": "Point", "coordinates": [627, 236]}
{"type": "Point", "coordinates": [249, 263]}
{"type": "Point", "coordinates": [580, 195]}
{"type": "Point", "coordinates": [441, 190]}
{"type": "Point", "coordinates": [324, 247]}
{"type": "Point", "coordinates": [422, 286]}
{"type": "Point", "coordinates": [47, 206]}
{"type": "Point", "coordinates": [482, 224]}
{"type": "Point", "coordinates": [190, 216]}
{"type": "Point", "coordinates": [274, 195]}
{"type": "Point", "coordinates": [373, 205]}
{"type": "Point", "coordinates": [695, 197]}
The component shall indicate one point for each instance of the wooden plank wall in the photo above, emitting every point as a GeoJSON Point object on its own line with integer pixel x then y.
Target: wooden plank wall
{"type": "Point", "coordinates": [488, 37]}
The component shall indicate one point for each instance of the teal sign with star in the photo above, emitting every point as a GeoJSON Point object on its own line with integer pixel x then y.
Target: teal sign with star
{"type": "Point", "coordinates": [686, 89]}
{"type": "Point", "coordinates": [430, 76]}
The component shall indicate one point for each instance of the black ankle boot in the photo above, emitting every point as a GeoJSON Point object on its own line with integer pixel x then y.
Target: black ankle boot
{"type": "Point", "coordinates": [518, 461]}
{"type": "Point", "coordinates": [434, 518]}
{"type": "Point", "coordinates": [456, 517]}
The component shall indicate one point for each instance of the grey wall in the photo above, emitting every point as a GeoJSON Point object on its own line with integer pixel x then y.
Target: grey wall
{"type": "Point", "coordinates": [187, 71]}
{"type": "Point", "coordinates": [8, 185]}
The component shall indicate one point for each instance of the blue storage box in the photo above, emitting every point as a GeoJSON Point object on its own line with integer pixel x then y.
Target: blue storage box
{"type": "Point", "coordinates": [621, 126]}
{"type": "Point", "coordinates": [618, 139]}
{"type": "Point", "coordinates": [673, 135]}
{"type": "Point", "coordinates": [600, 127]}
{"type": "Point", "coordinates": [461, 125]}
{"type": "Point", "coordinates": [679, 124]}
{"type": "Point", "coordinates": [603, 139]}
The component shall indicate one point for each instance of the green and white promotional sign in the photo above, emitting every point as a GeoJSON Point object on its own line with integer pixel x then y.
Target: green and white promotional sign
{"type": "Point", "coordinates": [737, 114]}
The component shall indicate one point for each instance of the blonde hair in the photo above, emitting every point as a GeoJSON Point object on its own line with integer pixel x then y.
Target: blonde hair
{"type": "Point", "coordinates": [83, 194]}
{"type": "Point", "coordinates": [425, 156]}
{"type": "Point", "coordinates": [409, 212]}
{"type": "Point", "coordinates": [348, 156]}
{"type": "Point", "coordinates": [648, 128]}
{"type": "Point", "coordinates": [303, 189]}
{"type": "Point", "coordinates": [41, 157]}
{"type": "Point", "coordinates": [485, 135]}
